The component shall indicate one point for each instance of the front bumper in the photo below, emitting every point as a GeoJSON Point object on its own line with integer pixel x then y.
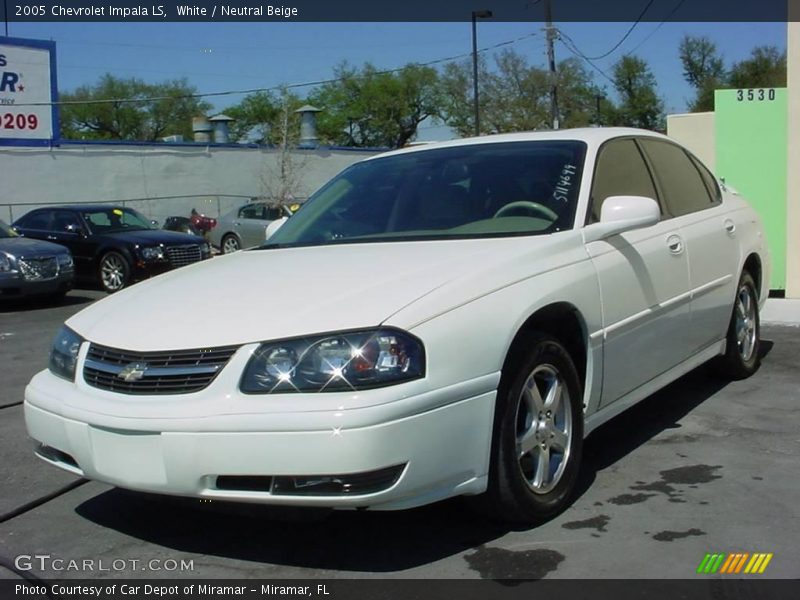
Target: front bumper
{"type": "Point", "coordinates": [13, 285]}
{"type": "Point", "coordinates": [443, 450]}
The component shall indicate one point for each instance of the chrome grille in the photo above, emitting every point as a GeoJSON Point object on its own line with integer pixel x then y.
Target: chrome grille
{"type": "Point", "coordinates": [39, 269]}
{"type": "Point", "coordinates": [170, 372]}
{"type": "Point", "coordinates": [180, 256]}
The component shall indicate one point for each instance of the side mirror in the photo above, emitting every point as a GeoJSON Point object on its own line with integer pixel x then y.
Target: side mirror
{"type": "Point", "coordinates": [274, 226]}
{"type": "Point", "coordinates": [620, 214]}
{"type": "Point", "coordinates": [73, 229]}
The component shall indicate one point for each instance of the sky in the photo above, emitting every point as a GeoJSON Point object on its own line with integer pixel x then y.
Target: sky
{"type": "Point", "coordinates": [218, 57]}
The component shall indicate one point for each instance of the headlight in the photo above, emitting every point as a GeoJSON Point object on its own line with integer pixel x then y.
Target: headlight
{"type": "Point", "coordinates": [5, 263]}
{"type": "Point", "coordinates": [65, 260]}
{"type": "Point", "coordinates": [64, 353]}
{"type": "Point", "coordinates": [205, 248]}
{"type": "Point", "coordinates": [336, 362]}
{"type": "Point", "coordinates": [152, 253]}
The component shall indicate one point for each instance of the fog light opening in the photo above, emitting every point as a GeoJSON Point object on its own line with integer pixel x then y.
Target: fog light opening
{"type": "Point", "coordinates": [354, 484]}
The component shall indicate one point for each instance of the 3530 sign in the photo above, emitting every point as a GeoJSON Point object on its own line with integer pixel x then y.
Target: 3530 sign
{"type": "Point", "coordinates": [756, 95]}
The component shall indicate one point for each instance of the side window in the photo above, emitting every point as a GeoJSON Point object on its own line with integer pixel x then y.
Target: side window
{"type": "Point", "coordinates": [40, 220]}
{"type": "Point", "coordinates": [274, 213]}
{"type": "Point", "coordinates": [64, 220]}
{"type": "Point", "coordinates": [252, 211]}
{"type": "Point", "coordinates": [709, 180]}
{"type": "Point", "coordinates": [620, 171]}
{"type": "Point", "coordinates": [678, 178]}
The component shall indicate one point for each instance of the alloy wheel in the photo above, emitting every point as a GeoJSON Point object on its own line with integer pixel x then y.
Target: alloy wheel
{"type": "Point", "coordinates": [544, 428]}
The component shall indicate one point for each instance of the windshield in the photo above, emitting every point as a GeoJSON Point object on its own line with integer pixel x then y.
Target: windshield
{"type": "Point", "coordinates": [113, 220]}
{"type": "Point", "coordinates": [481, 190]}
{"type": "Point", "coordinates": [6, 231]}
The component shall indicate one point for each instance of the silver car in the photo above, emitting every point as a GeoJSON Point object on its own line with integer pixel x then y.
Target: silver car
{"type": "Point", "coordinates": [246, 225]}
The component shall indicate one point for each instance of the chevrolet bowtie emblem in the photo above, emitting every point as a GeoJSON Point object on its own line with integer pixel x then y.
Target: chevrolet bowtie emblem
{"type": "Point", "coordinates": [132, 372]}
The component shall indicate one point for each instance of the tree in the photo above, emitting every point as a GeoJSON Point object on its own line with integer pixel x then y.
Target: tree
{"type": "Point", "coordinates": [639, 104]}
{"type": "Point", "coordinates": [282, 182]}
{"type": "Point", "coordinates": [766, 67]}
{"type": "Point", "coordinates": [366, 107]}
{"type": "Point", "coordinates": [703, 69]}
{"type": "Point", "coordinates": [254, 118]}
{"type": "Point", "coordinates": [515, 96]}
{"type": "Point", "coordinates": [130, 109]}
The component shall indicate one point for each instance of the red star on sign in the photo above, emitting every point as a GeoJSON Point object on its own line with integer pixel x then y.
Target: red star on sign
{"type": "Point", "coordinates": [21, 88]}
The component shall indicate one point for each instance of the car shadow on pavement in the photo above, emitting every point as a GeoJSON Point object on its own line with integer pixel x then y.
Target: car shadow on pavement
{"type": "Point", "coordinates": [639, 424]}
{"type": "Point", "coordinates": [363, 541]}
{"type": "Point", "coordinates": [352, 541]}
{"type": "Point", "coordinates": [43, 302]}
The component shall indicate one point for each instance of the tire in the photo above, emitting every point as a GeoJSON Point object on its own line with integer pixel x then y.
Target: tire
{"type": "Point", "coordinates": [230, 243]}
{"type": "Point", "coordinates": [531, 426]}
{"type": "Point", "coordinates": [742, 352]}
{"type": "Point", "coordinates": [113, 272]}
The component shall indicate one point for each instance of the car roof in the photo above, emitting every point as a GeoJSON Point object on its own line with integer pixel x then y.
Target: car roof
{"type": "Point", "coordinates": [81, 207]}
{"type": "Point", "coordinates": [593, 136]}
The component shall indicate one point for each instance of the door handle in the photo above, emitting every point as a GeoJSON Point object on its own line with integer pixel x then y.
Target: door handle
{"type": "Point", "coordinates": [51, 237]}
{"type": "Point", "coordinates": [730, 226]}
{"type": "Point", "coordinates": [675, 244]}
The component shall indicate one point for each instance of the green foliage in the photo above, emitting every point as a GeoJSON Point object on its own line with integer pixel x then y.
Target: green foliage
{"type": "Point", "coordinates": [264, 118]}
{"type": "Point", "coordinates": [705, 70]}
{"type": "Point", "coordinates": [366, 107]}
{"type": "Point", "coordinates": [640, 105]}
{"type": "Point", "coordinates": [162, 109]}
{"type": "Point", "coordinates": [765, 68]}
{"type": "Point", "coordinates": [515, 96]}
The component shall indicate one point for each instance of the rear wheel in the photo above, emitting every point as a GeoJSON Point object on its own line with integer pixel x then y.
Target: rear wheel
{"type": "Point", "coordinates": [113, 272]}
{"type": "Point", "coordinates": [538, 435]}
{"type": "Point", "coordinates": [230, 243]}
{"type": "Point", "coordinates": [741, 358]}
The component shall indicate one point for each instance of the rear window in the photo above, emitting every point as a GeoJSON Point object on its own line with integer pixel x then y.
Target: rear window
{"type": "Point", "coordinates": [678, 178]}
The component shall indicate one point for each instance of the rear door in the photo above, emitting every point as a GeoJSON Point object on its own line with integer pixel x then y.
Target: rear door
{"type": "Point", "coordinates": [643, 276]}
{"type": "Point", "coordinates": [692, 197]}
{"type": "Point", "coordinates": [252, 224]}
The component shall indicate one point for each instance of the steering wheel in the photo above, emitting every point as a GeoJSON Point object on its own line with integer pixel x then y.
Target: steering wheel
{"type": "Point", "coordinates": [533, 207]}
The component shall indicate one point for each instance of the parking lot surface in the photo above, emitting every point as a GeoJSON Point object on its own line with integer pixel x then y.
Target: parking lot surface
{"type": "Point", "coordinates": [702, 466]}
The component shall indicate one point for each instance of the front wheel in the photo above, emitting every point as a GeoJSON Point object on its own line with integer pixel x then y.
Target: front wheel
{"type": "Point", "coordinates": [741, 358]}
{"type": "Point", "coordinates": [113, 272]}
{"type": "Point", "coordinates": [538, 435]}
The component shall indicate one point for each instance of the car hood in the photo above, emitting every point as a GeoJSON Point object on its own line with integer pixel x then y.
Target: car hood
{"type": "Point", "coordinates": [22, 247]}
{"type": "Point", "coordinates": [276, 293]}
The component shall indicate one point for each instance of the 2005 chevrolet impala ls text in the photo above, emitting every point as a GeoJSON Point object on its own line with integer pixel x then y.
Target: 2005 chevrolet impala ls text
{"type": "Point", "coordinates": [450, 319]}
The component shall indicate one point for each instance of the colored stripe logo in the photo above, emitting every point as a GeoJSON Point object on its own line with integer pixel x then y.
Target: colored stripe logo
{"type": "Point", "coordinates": [734, 563]}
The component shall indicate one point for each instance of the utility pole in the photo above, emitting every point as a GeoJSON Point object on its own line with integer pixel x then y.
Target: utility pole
{"type": "Point", "coordinates": [551, 59]}
{"type": "Point", "coordinates": [598, 118]}
{"type": "Point", "coordinates": [476, 14]}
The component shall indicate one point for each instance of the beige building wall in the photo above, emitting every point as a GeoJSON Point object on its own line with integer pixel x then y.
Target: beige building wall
{"type": "Point", "coordinates": [696, 132]}
{"type": "Point", "coordinates": [793, 170]}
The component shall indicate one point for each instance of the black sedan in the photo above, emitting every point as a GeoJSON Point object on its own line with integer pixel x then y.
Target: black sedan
{"type": "Point", "coordinates": [111, 245]}
{"type": "Point", "coordinates": [32, 267]}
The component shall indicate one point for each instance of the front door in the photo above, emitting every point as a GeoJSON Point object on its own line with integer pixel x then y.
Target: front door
{"type": "Point", "coordinates": [644, 280]}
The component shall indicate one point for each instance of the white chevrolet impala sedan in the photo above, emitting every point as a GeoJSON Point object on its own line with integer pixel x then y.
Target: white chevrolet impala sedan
{"type": "Point", "coordinates": [451, 319]}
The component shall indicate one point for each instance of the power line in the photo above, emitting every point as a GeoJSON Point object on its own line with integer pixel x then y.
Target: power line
{"type": "Point", "coordinates": [652, 33]}
{"type": "Point", "coordinates": [624, 37]}
{"type": "Point", "coordinates": [274, 87]}
{"type": "Point", "coordinates": [569, 44]}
